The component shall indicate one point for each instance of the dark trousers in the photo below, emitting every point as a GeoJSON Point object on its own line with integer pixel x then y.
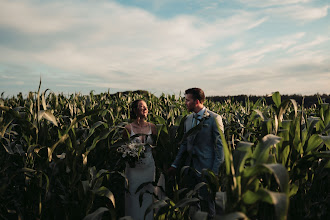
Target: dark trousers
{"type": "Point", "coordinates": [207, 200]}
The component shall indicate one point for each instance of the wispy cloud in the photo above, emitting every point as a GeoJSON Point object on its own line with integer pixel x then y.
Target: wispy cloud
{"type": "Point", "coordinates": [270, 3]}
{"type": "Point", "coordinates": [104, 44]}
{"type": "Point", "coordinates": [310, 45]}
{"type": "Point", "coordinates": [140, 43]}
{"type": "Point", "coordinates": [28, 17]}
{"type": "Point", "coordinates": [301, 10]}
{"type": "Point", "coordinates": [260, 52]}
{"type": "Point", "coordinates": [300, 13]}
{"type": "Point", "coordinates": [7, 77]}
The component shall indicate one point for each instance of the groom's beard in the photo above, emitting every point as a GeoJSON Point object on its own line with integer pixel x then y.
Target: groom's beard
{"type": "Point", "coordinates": [190, 108]}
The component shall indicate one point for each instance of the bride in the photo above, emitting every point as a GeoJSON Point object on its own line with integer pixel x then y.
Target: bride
{"type": "Point", "coordinates": [144, 170]}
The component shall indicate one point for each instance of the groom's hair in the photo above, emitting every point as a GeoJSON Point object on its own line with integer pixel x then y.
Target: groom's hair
{"type": "Point", "coordinates": [196, 93]}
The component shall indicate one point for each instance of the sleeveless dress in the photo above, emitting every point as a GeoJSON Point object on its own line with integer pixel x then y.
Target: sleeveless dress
{"type": "Point", "coordinates": [144, 171]}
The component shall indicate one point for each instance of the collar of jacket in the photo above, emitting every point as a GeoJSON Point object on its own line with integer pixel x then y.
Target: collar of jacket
{"type": "Point", "coordinates": [206, 114]}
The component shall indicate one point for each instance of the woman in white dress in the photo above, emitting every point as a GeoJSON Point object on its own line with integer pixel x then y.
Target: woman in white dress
{"type": "Point", "coordinates": [144, 170]}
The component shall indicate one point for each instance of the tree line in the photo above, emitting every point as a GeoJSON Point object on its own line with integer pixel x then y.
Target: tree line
{"type": "Point", "coordinates": [306, 101]}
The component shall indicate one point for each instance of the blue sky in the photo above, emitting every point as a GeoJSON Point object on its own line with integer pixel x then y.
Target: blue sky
{"type": "Point", "coordinates": [226, 47]}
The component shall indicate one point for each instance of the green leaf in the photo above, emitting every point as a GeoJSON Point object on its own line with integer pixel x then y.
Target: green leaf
{"type": "Point", "coordinates": [279, 200]}
{"type": "Point", "coordinates": [25, 169]}
{"type": "Point", "coordinates": [104, 191]}
{"type": "Point", "coordinates": [199, 215]}
{"type": "Point", "coordinates": [327, 165]}
{"type": "Point", "coordinates": [282, 108]}
{"type": "Point", "coordinates": [139, 151]}
{"type": "Point", "coordinates": [85, 186]}
{"type": "Point", "coordinates": [102, 136]}
{"type": "Point", "coordinates": [327, 128]}
{"type": "Point", "coordinates": [242, 152]}
{"type": "Point", "coordinates": [277, 99]}
{"type": "Point", "coordinates": [312, 121]}
{"type": "Point", "coordinates": [51, 149]}
{"type": "Point", "coordinates": [94, 126]}
{"type": "Point", "coordinates": [47, 182]}
{"type": "Point", "coordinates": [195, 130]}
{"type": "Point", "coordinates": [326, 140]}
{"type": "Point", "coordinates": [10, 111]}
{"type": "Point", "coordinates": [38, 97]}
{"type": "Point", "coordinates": [250, 197]}
{"type": "Point", "coordinates": [4, 128]}
{"type": "Point", "coordinates": [97, 215]}
{"type": "Point", "coordinates": [232, 216]}
{"type": "Point", "coordinates": [295, 106]}
{"type": "Point", "coordinates": [313, 142]}
{"type": "Point", "coordinates": [156, 205]}
{"type": "Point", "coordinates": [199, 185]}
{"type": "Point", "coordinates": [285, 154]}
{"type": "Point", "coordinates": [261, 115]}
{"type": "Point", "coordinates": [293, 190]}
{"type": "Point", "coordinates": [126, 218]}
{"type": "Point", "coordinates": [43, 100]}
{"type": "Point", "coordinates": [160, 120]}
{"type": "Point", "coordinates": [48, 115]}
{"type": "Point", "coordinates": [261, 152]}
{"type": "Point", "coordinates": [7, 147]}
{"type": "Point", "coordinates": [227, 152]}
{"type": "Point", "coordinates": [281, 175]}
{"type": "Point", "coordinates": [278, 170]}
{"type": "Point", "coordinates": [185, 202]}
{"type": "Point", "coordinates": [269, 125]}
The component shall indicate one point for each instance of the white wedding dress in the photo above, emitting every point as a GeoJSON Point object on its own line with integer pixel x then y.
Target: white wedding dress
{"type": "Point", "coordinates": [144, 171]}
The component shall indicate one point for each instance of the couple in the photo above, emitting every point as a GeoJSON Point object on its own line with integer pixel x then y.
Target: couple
{"type": "Point", "coordinates": [203, 147]}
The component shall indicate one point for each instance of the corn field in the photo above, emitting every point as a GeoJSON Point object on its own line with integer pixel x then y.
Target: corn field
{"type": "Point", "coordinates": [58, 157]}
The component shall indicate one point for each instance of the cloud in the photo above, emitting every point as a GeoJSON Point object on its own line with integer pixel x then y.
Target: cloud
{"type": "Point", "coordinates": [299, 12]}
{"type": "Point", "coordinates": [246, 57]}
{"type": "Point", "coordinates": [7, 77]}
{"type": "Point", "coordinates": [285, 62]}
{"type": "Point", "coordinates": [19, 83]}
{"type": "Point", "coordinates": [98, 45]}
{"type": "Point", "coordinates": [27, 17]}
{"type": "Point", "coordinates": [235, 46]}
{"type": "Point", "coordinates": [310, 45]}
{"type": "Point", "coordinates": [81, 45]}
{"type": "Point", "coordinates": [271, 3]}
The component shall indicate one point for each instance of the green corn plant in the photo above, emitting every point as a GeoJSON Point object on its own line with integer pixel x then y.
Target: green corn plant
{"type": "Point", "coordinates": [177, 205]}
{"type": "Point", "coordinates": [51, 143]}
{"type": "Point", "coordinates": [250, 179]}
{"type": "Point", "coordinates": [42, 147]}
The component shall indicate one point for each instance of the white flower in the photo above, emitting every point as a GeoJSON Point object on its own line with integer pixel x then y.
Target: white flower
{"type": "Point", "coordinates": [133, 149]}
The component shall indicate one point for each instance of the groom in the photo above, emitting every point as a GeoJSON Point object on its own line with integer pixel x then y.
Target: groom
{"type": "Point", "coordinates": [203, 145]}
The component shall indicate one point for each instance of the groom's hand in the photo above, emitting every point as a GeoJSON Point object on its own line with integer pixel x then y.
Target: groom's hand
{"type": "Point", "coordinates": [171, 171]}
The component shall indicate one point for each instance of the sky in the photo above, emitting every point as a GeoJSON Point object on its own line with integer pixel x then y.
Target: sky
{"type": "Point", "coordinates": [225, 47]}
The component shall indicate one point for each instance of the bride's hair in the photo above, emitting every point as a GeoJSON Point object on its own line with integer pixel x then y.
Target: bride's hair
{"type": "Point", "coordinates": [134, 106]}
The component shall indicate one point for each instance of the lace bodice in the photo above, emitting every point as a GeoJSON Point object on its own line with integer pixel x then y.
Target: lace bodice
{"type": "Point", "coordinates": [148, 138]}
{"type": "Point", "coordinates": [147, 159]}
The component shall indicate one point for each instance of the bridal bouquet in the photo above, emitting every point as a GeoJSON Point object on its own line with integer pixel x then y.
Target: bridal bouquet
{"type": "Point", "coordinates": [131, 152]}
